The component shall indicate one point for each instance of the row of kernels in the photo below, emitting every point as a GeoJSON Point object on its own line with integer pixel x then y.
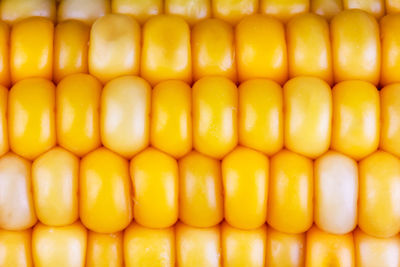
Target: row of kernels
{"type": "Point", "coordinates": [191, 10]}
{"type": "Point", "coordinates": [183, 245]}
{"type": "Point", "coordinates": [247, 189]}
{"type": "Point", "coordinates": [127, 115]}
{"type": "Point", "coordinates": [166, 49]}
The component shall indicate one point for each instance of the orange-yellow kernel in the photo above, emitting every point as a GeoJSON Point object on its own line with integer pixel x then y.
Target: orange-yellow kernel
{"type": "Point", "coordinates": [190, 10]}
{"type": "Point", "coordinates": [200, 190]}
{"type": "Point", "coordinates": [392, 6]}
{"type": "Point", "coordinates": [171, 118]}
{"type": "Point", "coordinates": [86, 11]}
{"type": "Point", "coordinates": [4, 146]}
{"type": "Point", "coordinates": [5, 78]}
{"type": "Point", "coordinates": [114, 47]}
{"type": "Point", "coordinates": [213, 49]}
{"type": "Point", "coordinates": [290, 201]}
{"type": "Point", "coordinates": [326, 8]}
{"type": "Point", "coordinates": [31, 118]}
{"type": "Point", "coordinates": [373, 7]}
{"type": "Point", "coordinates": [155, 189]}
{"type": "Point", "coordinates": [356, 47]}
{"type": "Point", "coordinates": [261, 49]}
{"type": "Point", "coordinates": [166, 49]}
{"type": "Point", "coordinates": [215, 101]}
{"type": "Point", "coordinates": [104, 250]}
{"type": "Point", "coordinates": [245, 179]}
{"type": "Point", "coordinates": [356, 118]}
{"type": "Point", "coordinates": [71, 40]}
{"type": "Point", "coordinates": [284, 10]}
{"type": "Point", "coordinates": [149, 247]}
{"type": "Point", "coordinates": [105, 201]}
{"type": "Point", "coordinates": [390, 41]}
{"type": "Point", "coordinates": [55, 187]}
{"type": "Point", "coordinates": [197, 246]}
{"type": "Point", "coordinates": [63, 246]}
{"type": "Point", "coordinates": [125, 115]}
{"type": "Point", "coordinates": [31, 49]}
{"type": "Point", "coordinates": [15, 248]}
{"type": "Point", "coordinates": [77, 102]}
{"type": "Point", "coordinates": [233, 11]}
{"type": "Point", "coordinates": [139, 9]}
{"type": "Point", "coordinates": [15, 10]}
{"type": "Point", "coordinates": [260, 116]}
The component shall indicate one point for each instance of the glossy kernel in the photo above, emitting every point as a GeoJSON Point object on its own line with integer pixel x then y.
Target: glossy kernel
{"type": "Point", "coordinates": [16, 203]}
{"type": "Point", "coordinates": [104, 250]}
{"type": "Point", "coordinates": [390, 41]}
{"type": "Point", "coordinates": [16, 10]}
{"type": "Point", "coordinates": [245, 179]}
{"type": "Point", "coordinates": [200, 190]}
{"type": "Point", "coordinates": [155, 189]}
{"type": "Point", "coordinates": [213, 49]}
{"type": "Point", "coordinates": [190, 10]}
{"type": "Point", "coordinates": [326, 8]}
{"type": "Point", "coordinates": [139, 9]}
{"type": "Point", "coordinates": [31, 49]}
{"type": "Point", "coordinates": [198, 246]}
{"type": "Point", "coordinates": [55, 187]}
{"type": "Point", "coordinates": [15, 247]}
{"type": "Point", "coordinates": [379, 213]}
{"type": "Point", "coordinates": [166, 52]}
{"type": "Point", "coordinates": [233, 11]}
{"type": "Point", "coordinates": [5, 78]}
{"type": "Point", "coordinates": [105, 203]}
{"type": "Point", "coordinates": [215, 101]}
{"type": "Point", "coordinates": [125, 115]}
{"type": "Point", "coordinates": [71, 40]}
{"type": "Point", "coordinates": [171, 120]}
{"type": "Point", "coordinates": [31, 118]}
{"type": "Point", "coordinates": [335, 193]}
{"type": "Point", "coordinates": [356, 48]}
{"type": "Point", "coordinates": [309, 47]}
{"type": "Point", "coordinates": [149, 247]}
{"type": "Point", "coordinates": [308, 116]}
{"type": "Point", "coordinates": [373, 7]}
{"type": "Point", "coordinates": [63, 246]}
{"type": "Point", "coordinates": [114, 47]}
{"type": "Point", "coordinates": [261, 115]}
{"type": "Point", "coordinates": [86, 11]}
{"type": "Point", "coordinates": [290, 201]}
{"type": "Point", "coordinates": [284, 9]}
{"type": "Point", "coordinates": [356, 118]}
{"type": "Point", "coordinates": [392, 6]}
{"type": "Point", "coordinates": [261, 49]}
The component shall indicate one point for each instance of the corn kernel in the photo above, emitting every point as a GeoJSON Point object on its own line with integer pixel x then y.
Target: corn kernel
{"type": "Point", "coordinates": [214, 116]}
{"type": "Point", "coordinates": [390, 41]}
{"type": "Point", "coordinates": [63, 246]}
{"type": "Point", "coordinates": [86, 11]}
{"type": "Point", "coordinates": [197, 246]}
{"type": "Point", "coordinates": [15, 248]}
{"type": "Point", "coordinates": [285, 249]}
{"type": "Point", "coordinates": [124, 116]}
{"type": "Point", "coordinates": [155, 189]}
{"type": "Point", "coordinates": [4, 146]}
{"type": "Point", "coordinates": [308, 116]}
{"type": "Point", "coordinates": [200, 190]}
{"type": "Point", "coordinates": [104, 250]}
{"type": "Point", "coordinates": [233, 11]}
{"type": "Point", "coordinates": [245, 179]}
{"type": "Point", "coordinates": [336, 193]}
{"type": "Point", "coordinates": [105, 195]}
{"type": "Point", "coordinates": [324, 249]}
{"type": "Point", "coordinates": [243, 247]}
{"type": "Point", "coordinates": [190, 10]}
{"type": "Point", "coordinates": [379, 213]}
{"type": "Point", "coordinates": [356, 124]}
{"type": "Point", "coordinates": [326, 8]}
{"type": "Point", "coordinates": [171, 120]}
{"type": "Point", "coordinates": [309, 47]}
{"type": "Point", "coordinates": [55, 187]}
{"type": "Point", "coordinates": [15, 10]}
{"type": "Point", "coordinates": [5, 78]}
{"type": "Point", "coordinates": [261, 115]}
{"type": "Point", "coordinates": [139, 9]}
{"type": "Point", "coordinates": [114, 47]}
{"type": "Point", "coordinates": [390, 119]}
{"type": "Point", "coordinates": [372, 251]}
{"type": "Point", "coordinates": [373, 7]}
{"type": "Point", "coordinates": [31, 49]}
{"type": "Point", "coordinates": [213, 50]}
{"type": "Point", "coordinates": [149, 247]}
{"type": "Point", "coordinates": [290, 202]}
{"type": "Point", "coordinates": [356, 49]}
{"type": "Point", "coordinates": [166, 51]}
{"type": "Point", "coordinates": [71, 40]}
{"type": "Point", "coordinates": [261, 49]}
{"type": "Point", "coordinates": [392, 6]}
{"type": "Point", "coordinates": [31, 118]}
{"type": "Point", "coordinates": [284, 10]}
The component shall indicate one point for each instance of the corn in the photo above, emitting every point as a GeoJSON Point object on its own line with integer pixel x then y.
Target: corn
{"type": "Point", "coordinates": [199, 133]}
